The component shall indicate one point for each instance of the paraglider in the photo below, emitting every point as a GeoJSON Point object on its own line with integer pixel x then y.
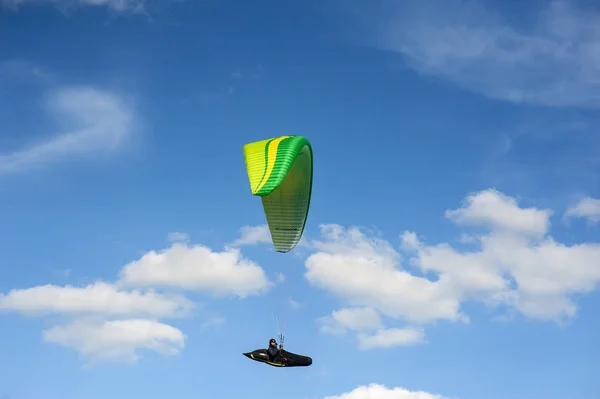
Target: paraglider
{"type": "Point", "coordinates": [280, 171]}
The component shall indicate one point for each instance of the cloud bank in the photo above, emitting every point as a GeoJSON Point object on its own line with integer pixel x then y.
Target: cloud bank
{"type": "Point", "coordinates": [390, 293]}
{"type": "Point", "coordinates": [516, 267]}
{"type": "Point", "coordinates": [110, 322]}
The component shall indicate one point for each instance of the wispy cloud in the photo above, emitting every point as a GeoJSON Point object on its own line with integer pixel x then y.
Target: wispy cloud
{"type": "Point", "coordinates": [115, 5]}
{"type": "Point", "coordinates": [213, 322]}
{"type": "Point", "coordinates": [553, 62]}
{"type": "Point", "coordinates": [90, 120]}
{"type": "Point", "coordinates": [295, 304]}
{"type": "Point", "coordinates": [280, 277]}
{"type": "Point", "coordinates": [17, 69]}
{"type": "Point", "coordinates": [178, 237]}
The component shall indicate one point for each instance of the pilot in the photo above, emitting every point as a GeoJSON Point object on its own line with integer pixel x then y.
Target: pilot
{"type": "Point", "coordinates": [275, 354]}
{"type": "Point", "coordinates": [273, 351]}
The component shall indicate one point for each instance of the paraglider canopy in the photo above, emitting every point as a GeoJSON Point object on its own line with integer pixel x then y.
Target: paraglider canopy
{"type": "Point", "coordinates": [280, 171]}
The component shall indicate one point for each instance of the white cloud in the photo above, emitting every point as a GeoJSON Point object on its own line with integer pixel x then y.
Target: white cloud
{"type": "Point", "coordinates": [364, 271]}
{"type": "Point", "coordinates": [90, 121]}
{"type": "Point", "coordinates": [252, 235]}
{"type": "Point", "coordinates": [92, 330]}
{"type": "Point", "coordinates": [96, 337]}
{"type": "Point", "coordinates": [588, 208]}
{"type": "Point", "coordinates": [358, 319]}
{"type": "Point", "coordinates": [390, 337]}
{"type": "Point", "coordinates": [115, 5]}
{"type": "Point", "coordinates": [376, 391]}
{"type": "Point", "coordinates": [467, 239]}
{"type": "Point", "coordinates": [116, 340]}
{"type": "Point", "coordinates": [197, 268]}
{"type": "Point", "coordinates": [369, 327]}
{"type": "Point", "coordinates": [552, 62]}
{"type": "Point", "coordinates": [537, 277]}
{"type": "Point", "coordinates": [493, 209]}
{"type": "Point", "coordinates": [516, 267]}
{"type": "Point", "coordinates": [101, 298]}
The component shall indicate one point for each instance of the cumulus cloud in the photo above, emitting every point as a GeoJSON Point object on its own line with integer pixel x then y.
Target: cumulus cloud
{"type": "Point", "coordinates": [112, 322]}
{"type": "Point", "coordinates": [535, 276]}
{"type": "Point", "coordinates": [116, 340]}
{"type": "Point", "coordinates": [517, 266]}
{"type": "Point", "coordinates": [91, 332]}
{"type": "Point", "coordinates": [99, 297]}
{"type": "Point", "coordinates": [197, 267]}
{"type": "Point", "coordinates": [495, 210]}
{"type": "Point", "coordinates": [90, 120]}
{"type": "Point", "coordinates": [588, 208]}
{"type": "Point", "coordinates": [552, 62]}
{"type": "Point", "coordinates": [363, 271]}
{"type": "Point", "coordinates": [376, 391]}
{"type": "Point", "coordinates": [358, 319]}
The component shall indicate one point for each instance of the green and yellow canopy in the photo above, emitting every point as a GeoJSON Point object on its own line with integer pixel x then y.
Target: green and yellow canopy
{"type": "Point", "coordinates": [280, 171]}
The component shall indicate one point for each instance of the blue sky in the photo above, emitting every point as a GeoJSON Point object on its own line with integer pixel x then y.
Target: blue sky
{"type": "Point", "coordinates": [451, 249]}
